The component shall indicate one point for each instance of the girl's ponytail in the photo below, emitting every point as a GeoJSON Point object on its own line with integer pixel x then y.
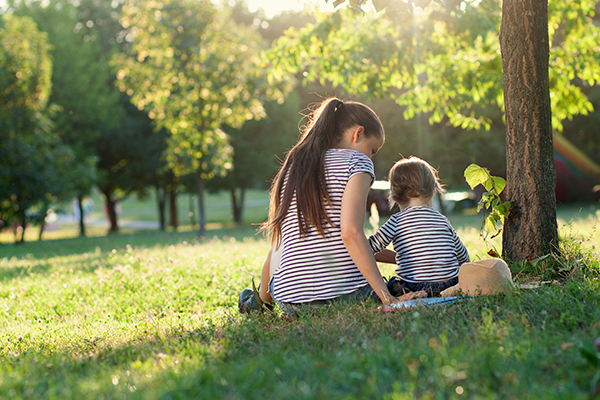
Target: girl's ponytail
{"type": "Point", "coordinates": [303, 172]}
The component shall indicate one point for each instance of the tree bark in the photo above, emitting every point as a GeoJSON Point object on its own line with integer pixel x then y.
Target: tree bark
{"type": "Point", "coordinates": [112, 214]}
{"type": "Point", "coordinates": [42, 227]}
{"type": "Point", "coordinates": [43, 215]}
{"type": "Point", "coordinates": [173, 204]}
{"type": "Point", "coordinates": [81, 216]}
{"type": "Point", "coordinates": [161, 199]}
{"type": "Point", "coordinates": [23, 227]}
{"type": "Point", "coordinates": [531, 229]}
{"type": "Point", "coordinates": [201, 209]}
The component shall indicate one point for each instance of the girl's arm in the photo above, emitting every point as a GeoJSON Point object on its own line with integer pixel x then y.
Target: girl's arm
{"type": "Point", "coordinates": [269, 267]}
{"type": "Point", "coordinates": [354, 206]}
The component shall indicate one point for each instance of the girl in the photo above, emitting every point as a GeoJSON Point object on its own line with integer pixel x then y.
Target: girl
{"type": "Point", "coordinates": [428, 250]}
{"type": "Point", "coordinates": [317, 213]}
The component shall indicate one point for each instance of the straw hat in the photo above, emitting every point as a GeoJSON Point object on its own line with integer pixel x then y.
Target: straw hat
{"type": "Point", "coordinates": [481, 278]}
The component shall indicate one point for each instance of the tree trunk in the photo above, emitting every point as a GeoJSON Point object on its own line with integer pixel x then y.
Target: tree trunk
{"type": "Point", "coordinates": [201, 209]}
{"type": "Point", "coordinates": [42, 226]}
{"type": "Point", "coordinates": [43, 214]}
{"type": "Point", "coordinates": [173, 204]}
{"type": "Point", "coordinates": [531, 229]}
{"type": "Point", "coordinates": [23, 226]}
{"type": "Point", "coordinates": [112, 214]}
{"type": "Point", "coordinates": [191, 213]}
{"type": "Point", "coordinates": [161, 199]}
{"type": "Point", "coordinates": [237, 205]}
{"type": "Point", "coordinates": [81, 216]}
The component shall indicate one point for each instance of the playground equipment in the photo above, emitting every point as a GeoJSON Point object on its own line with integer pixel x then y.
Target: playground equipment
{"type": "Point", "coordinates": [576, 173]}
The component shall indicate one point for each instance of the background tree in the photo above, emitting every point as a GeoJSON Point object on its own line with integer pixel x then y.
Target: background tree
{"type": "Point", "coordinates": [256, 148]}
{"type": "Point", "coordinates": [445, 61]}
{"type": "Point", "coordinates": [127, 159]}
{"type": "Point", "coordinates": [95, 118]}
{"type": "Point", "coordinates": [81, 89]}
{"type": "Point", "coordinates": [194, 70]}
{"type": "Point", "coordinates": [33, 160]}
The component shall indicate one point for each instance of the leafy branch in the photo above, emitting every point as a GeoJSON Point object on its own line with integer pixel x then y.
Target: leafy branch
{"type": "Point", "coordinates": [494, 185]}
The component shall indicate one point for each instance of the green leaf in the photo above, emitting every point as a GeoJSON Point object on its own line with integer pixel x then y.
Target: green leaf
{"type": "Point", "coordinates": [480, 205]}
{"type": "Point", "coordinates": [499, 184]}
{"type": "Point", "coordinates": [538, 260]}
{"type": "Point", "coordinates": [380, 4]}
{"type": "Point", "coordinates": [490, 222]}
{"type": "Point", "coordinates": [398, 10]}
{"type": "Point", "coordinates": [476, 175]}
{"type": "Point", "coordinates": [504, 208]}
{"type": "Point", "coordinates": [338, 2]}
{"type": "Point", "coordinates": [488, 197]}
{"type": "Point", "coordinates": [422, 3]}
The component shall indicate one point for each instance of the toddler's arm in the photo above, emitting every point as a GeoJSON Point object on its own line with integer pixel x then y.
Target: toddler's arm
{"type": "Point", "coordinates": [383, 237]}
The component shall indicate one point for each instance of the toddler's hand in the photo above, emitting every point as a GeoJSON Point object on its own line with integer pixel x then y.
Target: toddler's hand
{"type": "Point", "coordinates": [413, 295]}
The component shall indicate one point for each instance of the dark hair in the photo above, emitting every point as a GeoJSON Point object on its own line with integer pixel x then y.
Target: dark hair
{"type": "Point", "coordinates": [303, 170]}
{"type": "Point", "coordinates": [412, 177]}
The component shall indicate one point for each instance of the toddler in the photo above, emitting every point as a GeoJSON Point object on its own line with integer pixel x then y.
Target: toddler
{"type": "Point", "coordinates": [428, 252]}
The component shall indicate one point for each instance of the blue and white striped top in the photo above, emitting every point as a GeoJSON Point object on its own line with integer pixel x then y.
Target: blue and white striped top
{"type": "Point", "coordinates": [427, 247]}
{"type": "Point", "coordinates": [313, 268]}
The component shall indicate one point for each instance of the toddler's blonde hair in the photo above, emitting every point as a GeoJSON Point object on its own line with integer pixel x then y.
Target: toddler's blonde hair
{"type": "Point", "coordinates": [413, 177]}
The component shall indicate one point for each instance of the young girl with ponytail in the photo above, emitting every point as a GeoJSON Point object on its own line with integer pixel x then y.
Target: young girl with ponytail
{"type": "Point", "coordinates": [317, 213]}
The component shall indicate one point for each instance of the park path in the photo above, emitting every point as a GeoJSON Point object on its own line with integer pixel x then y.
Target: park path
{"type": "Point", "coordinates": [68, 219]}
{"type": "Point", "coordinates": [127, 217]}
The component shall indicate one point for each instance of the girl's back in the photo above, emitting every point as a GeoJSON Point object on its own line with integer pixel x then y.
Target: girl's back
{"type": "Point", "coordinates": [313, 267]}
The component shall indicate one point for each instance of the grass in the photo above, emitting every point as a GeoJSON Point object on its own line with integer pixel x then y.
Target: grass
{"type": "Point", "coordinates": [152, 315]}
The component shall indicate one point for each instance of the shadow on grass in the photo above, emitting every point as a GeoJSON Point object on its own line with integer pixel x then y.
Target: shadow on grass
{"type": "Point", "coordinates": [144, 239]}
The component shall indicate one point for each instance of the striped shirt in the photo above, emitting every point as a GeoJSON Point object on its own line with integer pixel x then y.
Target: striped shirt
{"type": "Point", "coordinates": [313, 268]}
{"type": "Point", "coordinates": [427, 247]}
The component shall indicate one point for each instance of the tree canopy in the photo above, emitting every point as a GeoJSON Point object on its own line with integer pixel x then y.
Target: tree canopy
{"type": "Point", "coordinates": [35, 164]}
{"type": "Point", "coordinates": [194, 71]}
{"type": "Point", "coordinates": [440, 60]}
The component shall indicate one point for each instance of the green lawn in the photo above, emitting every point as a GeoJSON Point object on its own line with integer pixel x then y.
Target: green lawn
{"type": "Point", "coordinates": [152, 315]}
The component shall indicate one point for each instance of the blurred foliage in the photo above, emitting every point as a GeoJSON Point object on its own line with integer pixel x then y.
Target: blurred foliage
{"type": "Point", "coordinates": [441, 60]}
{"type": "Point", "coordinates": [36, 166]}
{"type": "Point", "coordinates": [258, 146]}
{"type": "Point", "coordinates": [26, 74]}
{"type": "Point", "coordinates": [197, 69]}
{"type": "Point", "coordinates": [94, 117]}
{"type": "Point", "coordinates": [194, 70]}
{"type": "Point", "coordinates": [80, 88]}
{"type": "Point", "coordinates": [80, 80]}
